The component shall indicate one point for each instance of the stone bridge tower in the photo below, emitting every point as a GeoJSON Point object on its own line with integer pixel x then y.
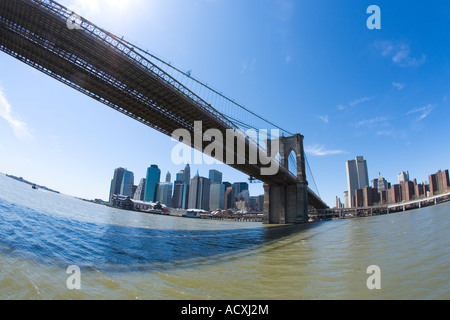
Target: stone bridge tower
{"type": "Point", "coordinates": [288, 203]}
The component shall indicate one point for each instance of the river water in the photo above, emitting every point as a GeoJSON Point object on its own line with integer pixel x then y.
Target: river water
{"type": "Point", "coordinates": [130, 255]}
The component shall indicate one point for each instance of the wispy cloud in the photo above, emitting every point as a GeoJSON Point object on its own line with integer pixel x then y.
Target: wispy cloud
{"type": "Point", "coordinates": [399, 86]}
{"type": "Point", "coordinates": [423, 111]}
{"type": "Point", "coordinates": [355, 102]}
{"type": "Point", "coordinates": [321, 151]}
{"type": "Point", "coordinates": [325, 119]}
{"type": "Point", "coordinates": [371, 122]}
{"type": "Point", "coordinates": [19, 127]}
{"type": "Point", "coordinates": [399, 53]}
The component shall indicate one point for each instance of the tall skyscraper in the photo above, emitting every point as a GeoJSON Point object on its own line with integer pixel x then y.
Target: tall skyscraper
{"type": "Point", "coordinates": [239, 187]}
{"type": "Point", "coordinates": [126, 187]}
{"type": "Point", "coordinates": [357, 176]}
{"type": "Point", "coordinates": [382, 184]}
{"type": "Point", "coordinates": [151, 184]}
{"type": "Point", "coordinates": [215, 176]}
{"type": "Point", "coordinates": [164, 193]}
{"type": "Point", "coordinates": [187, 174]}
{"type": "Point", "coordinates": [229, 202]}
{"type": "Point", "coordinates": [116, 182]}
{"type": "Point", "coordinates": [217, 195]}
{"type": "Point", "coordinates": [140, 191]}
{"type": "Point", "coordinates": [168, 177]}
{"type": "Point", "coordinates": [199, 192]}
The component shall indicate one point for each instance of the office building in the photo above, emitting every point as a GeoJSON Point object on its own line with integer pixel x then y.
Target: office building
{"type": "Point", "coordinates": [140, 190]}
{"type": "Point", "coordinates": [403, 177]}
{"type": "Point", "coordinates": [215, 176]}
{"type": "Point", "coordinates": [116, 182]}
{"type": "Point", "coordinates": [382, 184]}
{"type": "Point", "coordinates": [357, 176]}
{"type": "Point", "coordinates": [217, 196]}
{"type": "Point", "coordinates": [126, 188]}
{"type": "Point", "coordinates": [199, 192]}
{"type": "Point", "coordinates": [239, 187]}
{"type": "Point", "coordinates": [337, 203]}
{"type": "Point", "coordinates": [187, 174]}
{"type": "Point", "coordinates": [260, 203]}
{"type": "Point", "coordinates": [151, 184]}
{"type": "Point", "coordinates": [168, 177]}
{"type": "Point", "coordinates": [164, 193]}
{"type": "Point", "coordinates": [229, 202]}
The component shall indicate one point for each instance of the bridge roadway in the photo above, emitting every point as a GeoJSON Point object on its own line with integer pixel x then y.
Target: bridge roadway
{"type": "Point", "coordinates": [112, 71]}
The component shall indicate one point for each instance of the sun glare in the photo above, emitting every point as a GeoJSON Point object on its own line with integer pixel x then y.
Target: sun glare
{"type": "Point", "coordinates": [101, 10]}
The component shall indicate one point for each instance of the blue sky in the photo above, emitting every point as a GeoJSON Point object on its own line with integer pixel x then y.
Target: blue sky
{"type": "Point", "coordinates": [312, 67]}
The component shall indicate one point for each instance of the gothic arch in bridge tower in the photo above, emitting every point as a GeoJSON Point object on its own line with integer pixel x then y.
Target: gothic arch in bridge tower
{"type": "Point", "coordinates": [288, 203]}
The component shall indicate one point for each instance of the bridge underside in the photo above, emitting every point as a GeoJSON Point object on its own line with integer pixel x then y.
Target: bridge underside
{"type": "Point", "coordinates": [109, 70]}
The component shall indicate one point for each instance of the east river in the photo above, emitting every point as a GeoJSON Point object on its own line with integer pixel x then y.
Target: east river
{"type": "Point", "coordinates": [131, 255]}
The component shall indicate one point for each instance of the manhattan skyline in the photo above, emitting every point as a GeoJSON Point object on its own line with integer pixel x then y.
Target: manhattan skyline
{"type": "Point", "coordinates": [311, 67]}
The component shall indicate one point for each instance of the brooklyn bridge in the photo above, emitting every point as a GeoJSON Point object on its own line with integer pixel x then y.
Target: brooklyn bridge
{"type": "Point", "coordinates": [56, 41]}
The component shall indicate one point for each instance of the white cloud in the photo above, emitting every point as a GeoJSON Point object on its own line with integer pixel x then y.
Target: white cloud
{"type": "Point", "coordinates": [19, 127]}
{"type": "Point", "coordinates": [320, 151]}
{"type": "Point", "coordinates": [423, 111]}
{"type": "Point", "coordinates": [371, 122]}
{"type": "Point", "coordinates": [399, 86]}
{"type": "Point", "coordinates": [400, 53]}
{"type": "Point", "coordinates": [324, 119]}
{"type": "Point", "coordinates": [355, 102]}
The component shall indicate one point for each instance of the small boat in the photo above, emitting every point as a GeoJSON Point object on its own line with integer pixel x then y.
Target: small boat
{"type": "Point", "coordinates": [35, 187]}
{"type": "Point", "coordinates": [195, 213]}
{"type": "Point", "coordinates": [154, 211]}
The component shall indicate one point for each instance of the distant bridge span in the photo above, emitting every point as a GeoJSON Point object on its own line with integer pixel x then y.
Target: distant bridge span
{"type": "Point", "coordinates": [114, 72]}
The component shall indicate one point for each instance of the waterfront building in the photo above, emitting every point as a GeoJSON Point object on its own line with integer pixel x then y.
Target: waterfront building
{"type": "Point", "coordinates": [116, 182]}
{"type": "Point", "coordinates": [229, 201]}
{"type": "Point", "coordinates": [337, 203]}
{"type": "Point", "coordinates": [395, 194]}
{"type": "Point", "coordinates": [253, 204]}
{"type": "Point", "coordinates": [366, 197]}
{"type": "Point", "coordinates": [215, 176]}
{"type": "Point", "coordinates": [152, 181]}
{"type": "Point", "coordinates": [357, 176]}
{"type": "Point", "coordinates": [140, 190]}
{"type": "Point", "coordinates": [199, 193]}
{"type": "Point", "coordinates": [408, 190]}
{"type": "Point", "coordinates": [178, 194]}
{"type": "Point", "coordinates": [130, 190]}
{"type": "Point", "coordinates": [168, 177]}
{"type": "Point", "coordinates": [126, 188]}
{"type": "Point", "coordinates": [347, 203]}
{"type": "Point", "coordinates": [439, 182]}
{"type": "Point", "coordinates": [217, 196]}
{"type": "Point", "coordinates": [164, 193]}
{"type": "Point", "coordinates": [260, 202]}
